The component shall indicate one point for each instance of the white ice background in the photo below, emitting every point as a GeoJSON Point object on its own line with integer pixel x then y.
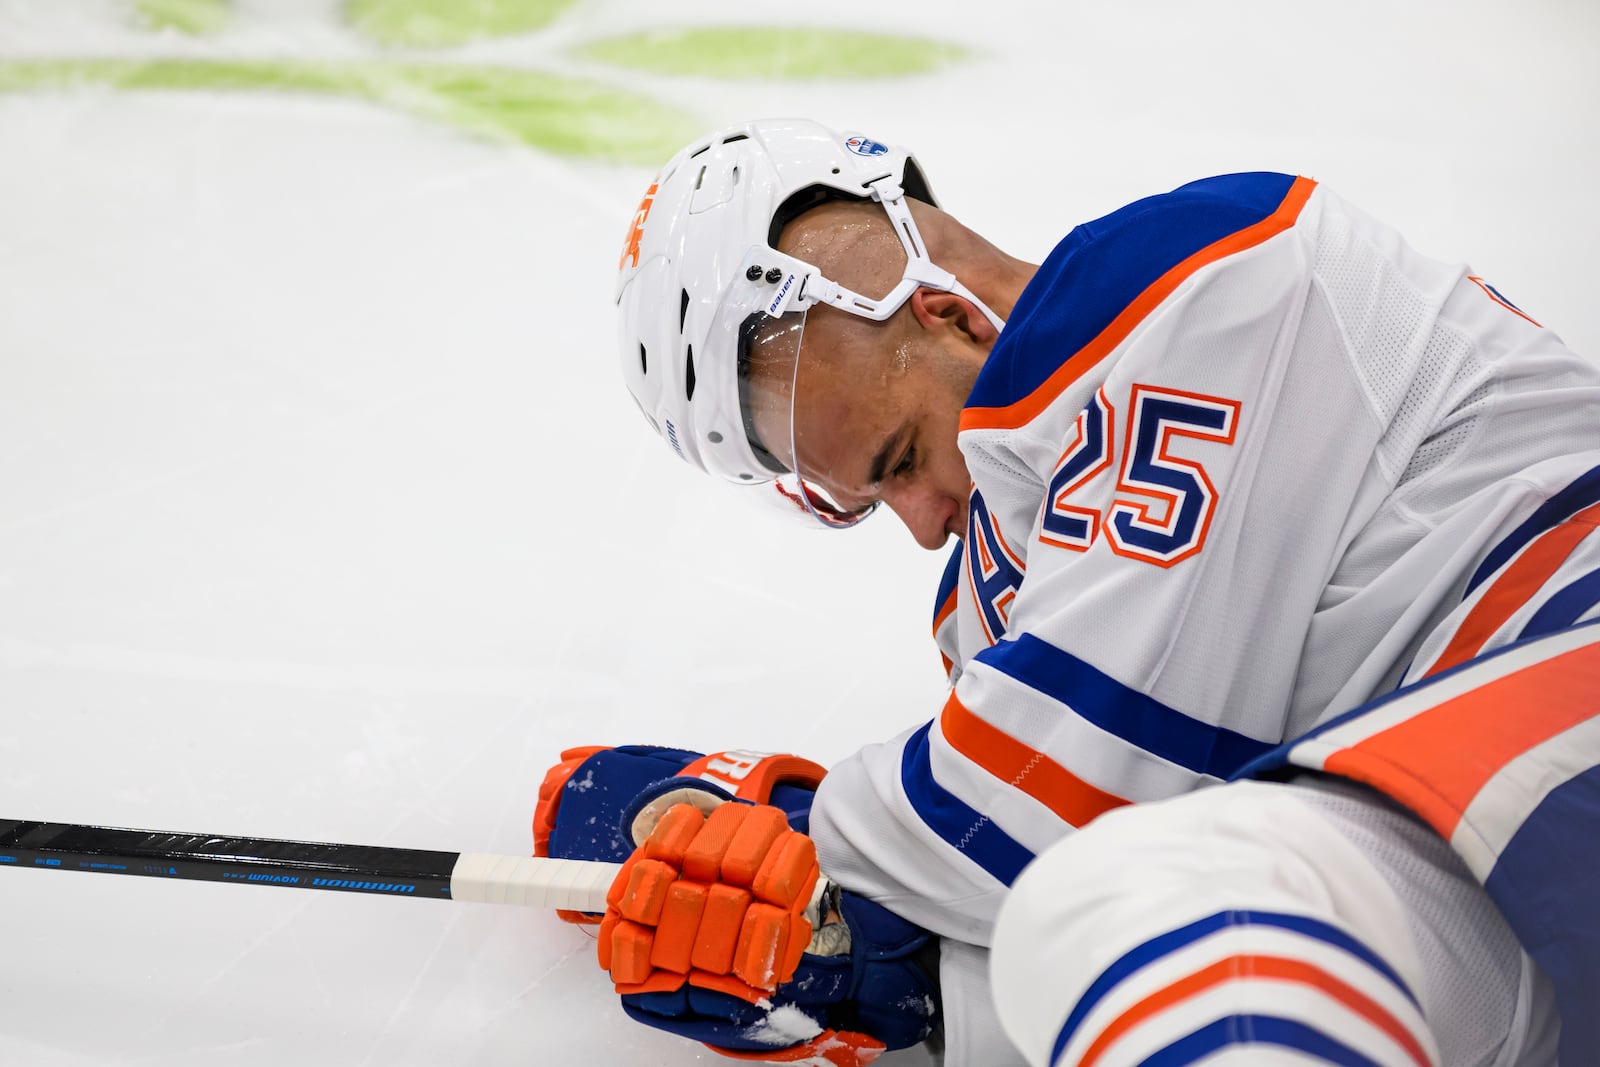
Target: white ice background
{"type": "Point", "coordinates": [324, 514]}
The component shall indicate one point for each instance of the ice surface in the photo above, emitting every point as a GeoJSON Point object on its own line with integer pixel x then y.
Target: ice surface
{"type": "Point", "coordinates": [323, 513]}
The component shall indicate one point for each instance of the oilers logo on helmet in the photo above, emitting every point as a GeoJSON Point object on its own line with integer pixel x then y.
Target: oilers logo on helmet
{"type": "Point", "coordinates": [861, 146]}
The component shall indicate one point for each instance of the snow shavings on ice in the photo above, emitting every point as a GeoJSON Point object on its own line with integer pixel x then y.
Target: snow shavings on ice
{"type": "Point", "coordinates": [786, 1025]}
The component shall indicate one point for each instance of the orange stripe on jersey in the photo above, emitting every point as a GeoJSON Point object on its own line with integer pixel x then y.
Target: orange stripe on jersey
{"type": "Point", "coordinates": [1456, 747]}
{"type": "Point", "coordinates": [1073, 800]}
{"type": "Point", "coordinates": [1515, 586]}
{"type": "Point", "coordinates": [1087, 357]}
{"type": "Point", "coordinates": [1250, 968]}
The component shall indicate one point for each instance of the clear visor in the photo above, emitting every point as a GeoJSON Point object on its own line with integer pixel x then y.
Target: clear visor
{"type": "Point", "coordinates": [788, 428]}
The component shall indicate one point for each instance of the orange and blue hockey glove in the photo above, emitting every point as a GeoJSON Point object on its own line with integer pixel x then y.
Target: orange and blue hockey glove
{"type": "Point", "coordinates": [720, 939]}
{"type": "Point", "coordinates": [583, 799]}
{"type": "Point", "coordinates": [721, 928]}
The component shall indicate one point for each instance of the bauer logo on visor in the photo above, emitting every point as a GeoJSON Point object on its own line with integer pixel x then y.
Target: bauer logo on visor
{"type": "Point", "coordinates": [863, 147]}
{"type": "Point", "coordinates": [777, 301]}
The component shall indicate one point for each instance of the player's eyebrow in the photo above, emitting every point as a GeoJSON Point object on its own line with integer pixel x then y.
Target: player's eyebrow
{"type": "Point", "coordinates": [880, 461]}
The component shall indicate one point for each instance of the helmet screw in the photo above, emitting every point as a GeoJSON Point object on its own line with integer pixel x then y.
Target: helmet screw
{"type": "Point", "coordinates": [773, 275]}
{"type": "Point", "coordinates": [753, 273]}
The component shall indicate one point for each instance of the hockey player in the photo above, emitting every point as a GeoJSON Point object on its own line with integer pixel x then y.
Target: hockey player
{"type": "Point", "coordinates": [1232, 461]}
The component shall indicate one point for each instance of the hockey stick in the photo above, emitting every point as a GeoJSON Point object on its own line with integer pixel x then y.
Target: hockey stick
{"type": "Point", "coordinates": [579, 885]}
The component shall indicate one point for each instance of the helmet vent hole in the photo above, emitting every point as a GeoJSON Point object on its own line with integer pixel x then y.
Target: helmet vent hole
{"type": "Point", "coordinates": [688, 373]}
{"type": "Point", "coordinates": [714, 437]}
{"type": "Point", "coordinates": [736, 137]}
{"type": "Point", "coordinates": [683, 308]}
{"type": "Point", "coordinates": [733, 177]}
{"type": "Point", "coordinates": [700, 179]}
{"type": "Point", "coordinates": [644, 364]}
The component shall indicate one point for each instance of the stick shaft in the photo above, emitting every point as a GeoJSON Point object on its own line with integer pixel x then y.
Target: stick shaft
{"type": "Point", "coordinates": [575, 884]}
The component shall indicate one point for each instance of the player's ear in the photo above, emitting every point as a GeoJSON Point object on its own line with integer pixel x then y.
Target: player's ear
{"type": "Point", "coordinates": [936, 309]}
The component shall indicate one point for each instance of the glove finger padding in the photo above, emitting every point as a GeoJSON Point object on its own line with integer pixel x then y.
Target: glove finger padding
{"type": "Point", "coordinates": [707, 941]}
{"type": "Point", "coordinates": [875, 990]}
{"type": "Point", "coordinates": [588, 801]}
{"type": "Point", "coordinates": [714, 901]}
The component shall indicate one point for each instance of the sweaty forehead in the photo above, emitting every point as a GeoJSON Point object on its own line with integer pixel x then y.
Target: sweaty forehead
{"type": "Point", "coordinates": [852, 242]}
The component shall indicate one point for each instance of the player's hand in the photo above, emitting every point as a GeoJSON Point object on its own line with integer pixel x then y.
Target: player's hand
{"type": "Point", "coordinates": [719, 899]}
{"type": "Point", "coordinates": [585, 799]}
{"type": "Point", "coordinates": [721, 928]}
{"type": "Point", "coordinates": [864, 971]}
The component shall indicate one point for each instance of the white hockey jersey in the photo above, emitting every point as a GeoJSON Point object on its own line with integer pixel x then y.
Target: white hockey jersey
{"type": "Point", "coordinates": [1237, 455]}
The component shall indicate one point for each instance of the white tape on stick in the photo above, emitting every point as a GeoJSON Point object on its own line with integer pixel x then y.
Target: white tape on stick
{"type": "Point", "coordinates": [578, 885]}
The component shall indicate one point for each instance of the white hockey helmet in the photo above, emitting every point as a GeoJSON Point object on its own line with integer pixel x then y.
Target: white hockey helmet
{"type": "Point", "coordinates": [701, 281]}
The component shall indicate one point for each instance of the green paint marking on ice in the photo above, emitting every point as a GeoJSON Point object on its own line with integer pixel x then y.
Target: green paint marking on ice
{"type": "Point", "coordinates": [793, 54]}
{"type": "Point", "coordinates": [194, 17]}
{"type": "Point", "coordinates": [447, 23]}
{"type": "Point", "coordinates": [567, 116]}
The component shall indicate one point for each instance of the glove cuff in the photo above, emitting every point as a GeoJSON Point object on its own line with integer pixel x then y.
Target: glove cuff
{"type": "Point", "coordinates": [754, 775]}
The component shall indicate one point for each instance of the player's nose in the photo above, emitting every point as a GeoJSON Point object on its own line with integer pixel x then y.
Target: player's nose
{"type": "Point", "coordinates": [927, 514]}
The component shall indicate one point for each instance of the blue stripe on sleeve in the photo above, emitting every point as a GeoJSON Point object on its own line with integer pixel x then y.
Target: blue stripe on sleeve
{"type": "Point", "coordinates": [1173, 940]}
{"type": "Point", "coordinates": [947, 581]}
{"type": "Point", "coordinates": [1564, 608]}
{"type": "Point", "coordinates": [959, 824]}
{"type": "Point", "coordinates": [1101, 267]}
{"type": "Point", "coordinates": [1138, 719]}
{"type": "Point", "coordinates": [1544, 884]}
{"type": "Point", "coordinates": [1553, 512]}
{"type": "Point", "coordinates": [1235, 1030]}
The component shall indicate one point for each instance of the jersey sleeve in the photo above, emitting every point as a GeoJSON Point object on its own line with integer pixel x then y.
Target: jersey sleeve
{"type": "Point", "coordinates": [1171, 445]}
{"type": "Point", "coordinates": [1311, 918]}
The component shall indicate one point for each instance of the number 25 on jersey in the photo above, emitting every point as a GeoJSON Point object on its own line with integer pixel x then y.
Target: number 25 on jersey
{"type": "Point", "coordinates": [1164, 503]}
